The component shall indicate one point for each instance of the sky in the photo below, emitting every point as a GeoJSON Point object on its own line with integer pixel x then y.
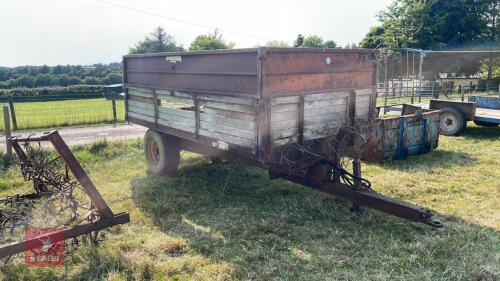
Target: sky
{"type": "Point", "coordinates": [51, 32]}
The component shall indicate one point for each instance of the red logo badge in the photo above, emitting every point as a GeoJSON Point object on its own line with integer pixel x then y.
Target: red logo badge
{"type": "Point", "coordinates": [44, 247]}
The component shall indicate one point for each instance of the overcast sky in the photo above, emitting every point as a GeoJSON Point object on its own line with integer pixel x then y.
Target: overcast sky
{"type": "Point", "coordinates": [37, 32]}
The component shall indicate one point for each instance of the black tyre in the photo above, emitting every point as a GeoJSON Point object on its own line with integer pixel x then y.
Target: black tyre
{"type": "Point", "coordinates": [451, 122]}
{"type": "Point", "coordinates": [485, 124]}
{"type": "Point", "coordinates": [162, 153]}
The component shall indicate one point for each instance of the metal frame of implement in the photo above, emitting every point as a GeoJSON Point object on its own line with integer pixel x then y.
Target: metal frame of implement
{"type": "Point", "coordinates": [107, 218]}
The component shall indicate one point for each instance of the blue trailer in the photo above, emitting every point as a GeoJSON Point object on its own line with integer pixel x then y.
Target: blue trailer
{"type": "Point", "coordinates": [482, 110]}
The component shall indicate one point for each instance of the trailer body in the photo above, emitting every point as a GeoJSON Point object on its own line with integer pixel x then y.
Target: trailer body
{"type": "Point", "coordinates": [488, 109]}
{"type": "Point", "coordinates": [414, 131]}
{"type": "Point", "coordinates": [251, 105]}
{"type": "Point", "coordinates": [251, 101]}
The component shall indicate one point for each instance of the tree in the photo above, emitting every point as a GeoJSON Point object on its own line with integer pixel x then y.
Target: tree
{"type": "Point", "coordinates": [24, 80]}
{"type": "Point", "coordinates": [64, 80]}
{"type": "Point", "coordinates": [210, 41]}
{"type": "Point", "coordinates": [299, 41]}
{"type": "Point", "coordinates": [44, 69]}
{"type": "Point", "coordinates": [313, 41]}
{"type": "Point", "coordinates": [374, 38]}
{"type": "Point", "coordinates": [59, 69]}
{"type": "Point", "coordinates": [277, 43]}
{"type": "Point", "coordinates": [491, 19]}
{"type": "Point", "coordinates": [112, 78]}
{"type": "Point", "coordinates": [92, 81]}
{"type": "Point", "coordinates": [156, 41]}
{"type": "Point", "coordinates": [436, 24]}
{"type": "Point", "coordinates": [330, 44]}
{"type": "Point", "coordinates": [44, 80]}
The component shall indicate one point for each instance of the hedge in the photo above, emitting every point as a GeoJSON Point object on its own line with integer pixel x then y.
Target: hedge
{"type": "Point", "coordinates": [44, 93]}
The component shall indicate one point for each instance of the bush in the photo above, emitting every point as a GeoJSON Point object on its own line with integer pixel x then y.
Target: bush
{"type": "Point", "coordinates": [79, 91]}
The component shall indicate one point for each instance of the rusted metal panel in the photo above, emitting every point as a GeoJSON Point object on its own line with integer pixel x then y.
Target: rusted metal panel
{"type": "Point", "coordinates": [259, 72]}
{"type": "Point", "coordinates": [232, 72]}
{"type": "Point", "coordinates": [467, 108]}
{"type": "Point", "coordinates": [388, 140]}
{"type": "Point", "coordinates": [302, 71]}
{"type": "Point", "coordinates": [286, 84]}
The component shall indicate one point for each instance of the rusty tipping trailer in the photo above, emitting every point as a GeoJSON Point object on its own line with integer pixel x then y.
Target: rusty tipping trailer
{"type": "Point", "coordinates": [285, 110]}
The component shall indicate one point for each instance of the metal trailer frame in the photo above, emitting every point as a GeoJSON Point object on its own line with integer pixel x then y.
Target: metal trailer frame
{"type": "Point", "coordinates": [483, 110]}
{"type": "Point", "coordinates": [415, 131]}
{"type": "Point", "coordinates": [107, 217]}
{"type": "Point", "coordinates": [241, 73]}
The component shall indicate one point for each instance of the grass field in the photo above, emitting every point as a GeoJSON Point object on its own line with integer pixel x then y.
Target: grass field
{"type": "Point", "coordinates": [52, 114]}
{"type": "Point", "coordinates": [227, 221]}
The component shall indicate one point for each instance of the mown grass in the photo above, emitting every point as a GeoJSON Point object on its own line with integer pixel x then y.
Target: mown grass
{"type": "Point", "coordinates": [227, 221]}
{"type": "Point", "coordinates": [52, 114]}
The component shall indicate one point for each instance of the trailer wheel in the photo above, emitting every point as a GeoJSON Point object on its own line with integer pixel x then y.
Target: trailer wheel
{"type": "Point", "coordinates": [485, 124]}
{"type": "Point", "coordinates": [162, 153]}
{"type": "Point", "coordinates": [451, 122]}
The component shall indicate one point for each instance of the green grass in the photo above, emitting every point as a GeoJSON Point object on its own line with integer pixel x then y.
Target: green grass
{"type": "Point", "coordinates": [227, 221]}
{"type": "Point", "coordinates": [52, 114]}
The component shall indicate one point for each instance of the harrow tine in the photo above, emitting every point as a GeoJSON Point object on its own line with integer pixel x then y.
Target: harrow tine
{"type": "Point", "coordinates": [57, 189]}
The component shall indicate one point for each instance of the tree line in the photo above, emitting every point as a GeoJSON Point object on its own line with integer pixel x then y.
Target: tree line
{"type": "Point", "coordinates": [60, 75]}
{"type": "Point", "coordinates": [160, 41]}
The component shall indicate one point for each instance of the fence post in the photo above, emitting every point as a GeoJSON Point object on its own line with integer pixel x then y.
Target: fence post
{"type": "Point", "coordinates": [12, 112]}
{"type": "Point", "coordinates": [421, 62]}
{"type": "Point", "coordinates": [462, 96]}
{"type": "Point", "coordinates": [6, 120]}
{"type": "Point", "coordinates": [412, 90]}
{"type": "Point", "coordinates": [113, 104]}
{"type": "Point", "coordinates": [386, 83]}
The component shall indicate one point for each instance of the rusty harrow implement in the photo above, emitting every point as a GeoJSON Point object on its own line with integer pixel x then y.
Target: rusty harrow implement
{"type": "Point", "coordinates": [62, 195]}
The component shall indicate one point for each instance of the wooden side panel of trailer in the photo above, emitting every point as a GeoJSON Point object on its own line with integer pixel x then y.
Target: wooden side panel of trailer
{"type": "Point", "coordinates": [229, 120]}
{"type": "Point", "coordinates": [323, 114]}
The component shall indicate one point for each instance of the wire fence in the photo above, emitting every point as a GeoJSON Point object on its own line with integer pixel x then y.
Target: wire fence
{"type": "Point", "coordinates": [411, 92]}
{"type": "Point", "coordinates": [28, 115]}
{"type": "Point", "coordinates": [79, 121]}
{"type": "Point", "coordinates": [410, 76]}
